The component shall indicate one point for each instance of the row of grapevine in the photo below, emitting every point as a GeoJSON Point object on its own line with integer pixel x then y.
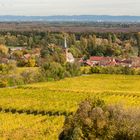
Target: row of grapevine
{"type": "Point", "coordinates": [41, 101]}
{"type": "Point", "coordinates": [18, 127]}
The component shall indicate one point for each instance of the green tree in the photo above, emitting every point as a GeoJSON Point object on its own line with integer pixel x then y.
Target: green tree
{"type": "Point", "coordinates": [53, 71]}
{"type": "Point", "coordinates": [138, 43]}
{"type": "Point", "coordinates": [53, 52]}
{"type": "Point", "coordinates": [73, 69]}
{"type": "Point", "coordinates": [114, 38]}
{"type": "Point", "coordinates": [109, 39]}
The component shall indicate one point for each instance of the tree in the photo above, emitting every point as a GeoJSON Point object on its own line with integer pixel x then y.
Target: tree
{"type": "Point", "coordinates": [53, 71]}
{"type": "Point", "coordinates": [83, 44]}
{"type": "Point", "coordinates": [109, 39]}
{"type": "Point", "coordinates": [94, 120]}
{"type": "Point", "coordinates": [3, 50]}
{"type": "Point", "coordinates": [114, 38]}
{"type": "Point", "coordinates": [73, 69]}
{"type": "Point", "coordinates": [2, 40]}
{"type": "Point", "coordinates": [72, 39]}
{"type": "Point", "coordinates": [31, 62]}
{"type": "Point", "coordinates": [17, 54]}
{"type": "Point", "coordinates": [30, 42]}
{"type": "Point", "coordinates": [138, 43]}
{"type": "Point", "coordinates": [53, 52]}
{"type": "Point", "coordinates": [91, 45]}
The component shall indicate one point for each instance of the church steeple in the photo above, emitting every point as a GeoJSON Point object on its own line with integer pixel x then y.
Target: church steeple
{"type": "Point", "coordinates": [65, 43]}
{"type": "Point", "coordinates": [69, 56]}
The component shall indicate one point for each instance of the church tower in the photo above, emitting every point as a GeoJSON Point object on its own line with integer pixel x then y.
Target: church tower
{"type": "Point", "coordinates": [69, 56]}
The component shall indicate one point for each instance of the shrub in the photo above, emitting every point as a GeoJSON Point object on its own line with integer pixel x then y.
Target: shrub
{"type": "Point", "coordinates": [12, 66]}
{"type": "Point", "coordinates": [53, 70]}
{"type": "Point", "coordinates": [110, 70]}
{"type": "Point", "coordinates": [30, 76]}
{"type": "Point", "coordinates": [96, 69]}
{"type": "Point", "coordinates": [86, 70]}
{"type": "Point", "coordinates": [3, 68]}
{"type": "Point", "coordinates": [3, 83]}
{"type": "Point", "coordinates": [15, 79]}
{"type": "Point", "coordinates": [9, 67]}
{"type": "Point", "coordinates": [73, 69]}
{"type": "Point", "coordinates": [31, 62]}
{"type": "Point", "coordinates": [97, 121]}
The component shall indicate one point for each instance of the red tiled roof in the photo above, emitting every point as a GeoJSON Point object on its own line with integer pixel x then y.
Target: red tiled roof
{"type": "Point", "coordinates": [96, 58]}
{"type": "Point", "coordinates": [88, 62]}
{"type": "Point", "coordinates": [99, 58]}
{"type": "Point", "coordinates": [112, 63]}
{"type": "Point", "coordinates": [81, 61]}
{"type": "Point", "coordinates": [27, 56]}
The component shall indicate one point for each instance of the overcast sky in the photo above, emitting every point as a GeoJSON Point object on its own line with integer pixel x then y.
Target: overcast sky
{"type": "Point", "coordinates": [69, 7]}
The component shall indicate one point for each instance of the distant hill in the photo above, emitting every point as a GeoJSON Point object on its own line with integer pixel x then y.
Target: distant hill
{"type": "Point", "coordinates": [80, 18]}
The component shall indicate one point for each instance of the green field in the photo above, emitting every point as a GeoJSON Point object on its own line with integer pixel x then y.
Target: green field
{"type": "Point", "coordinates": [37, 111]}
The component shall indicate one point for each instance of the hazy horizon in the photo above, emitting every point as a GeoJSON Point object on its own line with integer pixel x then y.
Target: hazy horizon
{"type": "Point", "coordinates": [71, 15]}
{"type": "Point", "coordinates": [73, 7]}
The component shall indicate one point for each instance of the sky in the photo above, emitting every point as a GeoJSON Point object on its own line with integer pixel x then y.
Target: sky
{"type": "Point", "coordinates": [69, 7]}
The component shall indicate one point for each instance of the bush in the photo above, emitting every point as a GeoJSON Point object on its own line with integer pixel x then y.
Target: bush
{"type": "Point", "coordinates": [3, 83]}
{"type": "Point", "coordinates": [12, 66]}
{"type": "Point", "coordinates": [97, 121]}
{"type": "Point", "coordinates": [110, 70]}
{"type": "Point", "coordinates": [30, 76]}
{"type": "Point", "coordinates": [14, 80]}
{"type": "Point", "coordinates": [7, 68]}
{"type": "Point", "coordinates": [53, 70]}
{"type": "Point", "coordinates": [3, 68]}
{"type": "Point", "coordinates": [86, 70]}
{"type": "Point", "coordinates": [73, 69]}
{"type": "Point", "coordinates": [31, 62]}
{"type": "Point", "coordinates": [56, 71]}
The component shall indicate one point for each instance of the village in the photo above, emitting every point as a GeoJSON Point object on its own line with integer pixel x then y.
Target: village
{"type": "Point", "coordinates": [26, 56]}
{"type": "Point", "coordinates": [111, 61]}
{"type": "Point", "coordinates": [22, 56]}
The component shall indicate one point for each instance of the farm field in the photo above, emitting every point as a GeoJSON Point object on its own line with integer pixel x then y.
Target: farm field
{"type": "Point", "coordinates": [37, 111]}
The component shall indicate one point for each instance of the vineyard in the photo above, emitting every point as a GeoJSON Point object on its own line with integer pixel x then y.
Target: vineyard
{"type": "Point", "coordinates": [38, 111]}
{"type": "Point", "coordinates": [25, 126]}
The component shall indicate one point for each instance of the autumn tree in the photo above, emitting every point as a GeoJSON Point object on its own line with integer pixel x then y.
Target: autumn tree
{"type": "Point", "coordinates": [3, 50]}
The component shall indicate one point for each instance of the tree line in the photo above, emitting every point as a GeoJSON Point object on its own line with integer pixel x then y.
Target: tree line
{"type": "Point", "coordinates": [100, 44]}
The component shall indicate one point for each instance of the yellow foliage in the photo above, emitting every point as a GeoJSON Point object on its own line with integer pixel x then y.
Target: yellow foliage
{"type": "Point", "coordinates": [3, 49]}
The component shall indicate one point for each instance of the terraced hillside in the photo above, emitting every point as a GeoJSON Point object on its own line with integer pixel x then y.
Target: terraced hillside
{"type": "Point", "coordinates": [37, 111]}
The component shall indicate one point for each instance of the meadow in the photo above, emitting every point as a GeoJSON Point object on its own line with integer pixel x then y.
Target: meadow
{"type": "Point", "coordinates": [37, 111]}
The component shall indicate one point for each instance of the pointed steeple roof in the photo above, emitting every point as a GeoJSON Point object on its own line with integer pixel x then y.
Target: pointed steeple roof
{"type": "Point", "coordinates": [65, 43]}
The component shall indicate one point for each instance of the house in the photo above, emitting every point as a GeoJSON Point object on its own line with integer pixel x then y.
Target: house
{"type": "Point", "coordinates": [102, 61]}
{"type": "Point", "coordinates": [99, 61]}
{"type": "Point", "coordinates": [12, 49]}
{"type": "Point", "coordinates": [4, 60]}
{"type": "Point", "coordinates": [95, 60]}
{"type": "Point", "coordinates": [27, 56]}
{"type": "Point", "coordinates": [124, 62]}
{"type": "Point", "coordinates": [136, 62]}
{"type": "Point", "coordinates": [110, 61]}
